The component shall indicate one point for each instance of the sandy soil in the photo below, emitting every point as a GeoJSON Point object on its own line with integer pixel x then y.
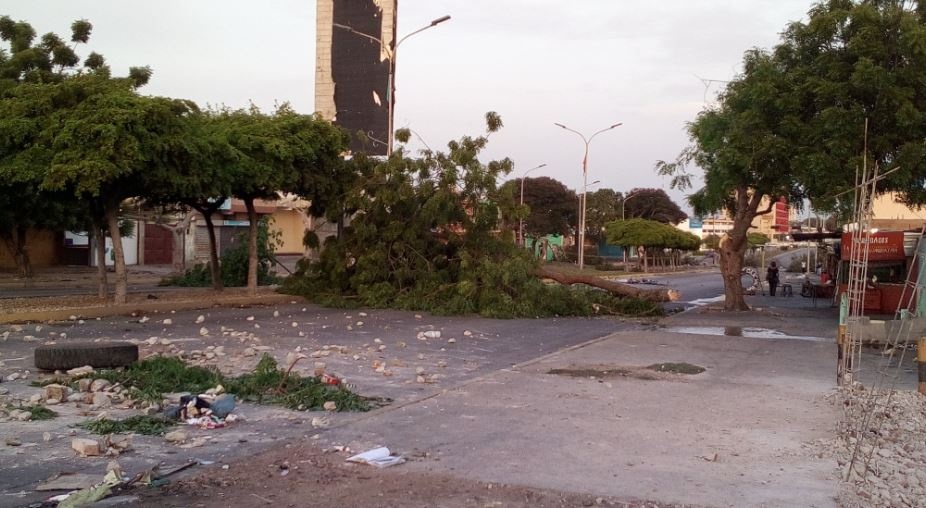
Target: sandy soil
{"type": "Point", "coordinates": [302, 475]}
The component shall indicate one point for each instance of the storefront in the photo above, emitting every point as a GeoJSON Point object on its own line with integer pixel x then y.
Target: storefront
{"type": "Point", "coordinates": [890, 266]}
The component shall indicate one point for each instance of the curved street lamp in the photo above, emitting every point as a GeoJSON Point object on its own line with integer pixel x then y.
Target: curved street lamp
{"type": "Point", "coordinates": [584, 185]}
{"type": "Point", "coordinates": [521, 222]}
{"type": "Point", "coordinates": [391, 53]}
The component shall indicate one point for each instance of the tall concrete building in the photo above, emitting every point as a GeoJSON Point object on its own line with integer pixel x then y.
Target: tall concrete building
{"type": "Point", "coordinates": [352, 70]}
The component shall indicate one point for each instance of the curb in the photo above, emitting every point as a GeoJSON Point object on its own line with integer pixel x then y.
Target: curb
{"type": "Point", "coordinates": [128, 308]}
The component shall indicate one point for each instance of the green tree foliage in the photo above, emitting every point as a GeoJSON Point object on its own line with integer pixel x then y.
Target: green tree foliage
{"type": "Point", "coordinates": [849, 62]}
{"type": "Point", "coordinates": [793, 124]}
{"type": "Point", "coordinates": [552, 207]}
{"type": "Point", "coordinates": [235, 262]}
{"type": "Point", "coordinates": [744, 145]}
{"type": "Point", "coordinates": [102, 147]}
{"type": "Point", "coordinates": [757, 239]}
{"type": "Point", "coordinates": [425, 235]}
{"type": "Point", "coordinates": [649, 234]}
{"type": "Point", "coordinates": [283, 151]}
{"type": "Point", "coordinates": [601, 207]}
{"type": "Point", "coordinates": [26, 62]}
{"type": "Point", "coordinates": [652, 204]}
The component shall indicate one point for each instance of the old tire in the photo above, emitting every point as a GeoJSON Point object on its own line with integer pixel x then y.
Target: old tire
{"type": "Point", "coordinates": [94, 354]}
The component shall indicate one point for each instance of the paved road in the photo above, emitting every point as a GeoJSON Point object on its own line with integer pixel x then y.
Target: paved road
{"type": "Point", "coordinates": [352, 342]}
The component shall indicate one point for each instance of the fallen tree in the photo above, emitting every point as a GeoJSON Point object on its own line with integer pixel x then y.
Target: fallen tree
{"type": "Point", "coordinates": [615, 288]}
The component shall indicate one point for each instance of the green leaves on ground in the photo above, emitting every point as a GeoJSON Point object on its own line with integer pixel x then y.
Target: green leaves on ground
{"type": "Point", "coordinates": [151, 378]}
{"type": "Point", "coordinates": [268, 384]}
{"type": "Point", "coordinates": [139, 424]}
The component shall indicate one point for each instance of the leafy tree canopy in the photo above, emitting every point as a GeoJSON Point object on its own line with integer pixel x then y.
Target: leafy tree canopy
{"type": "Point", "coordinates": [652, 204]}
{"type": "Point", "coordinates": [553, 208]}
{"type": "Point", "coordinates": [649, 234]}
{"type": "Point", "coordinates": [601, 207]}
{"type": "Point", "coordinates": [757, 239]}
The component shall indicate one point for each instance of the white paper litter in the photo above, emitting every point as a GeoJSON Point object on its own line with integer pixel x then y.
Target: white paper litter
{"type": "Point", "coordinates": [379, 457]}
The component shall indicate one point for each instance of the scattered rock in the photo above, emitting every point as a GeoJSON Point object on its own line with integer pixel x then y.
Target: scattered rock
{"type": "Point", "coordinates": [276, 313]}
{"type": "Point", "coordinates": [80, 371]}
{"type": "Point", "coordinates": [200, 319]}
{"type": "Point", "coordinates": [83, 384]}
{"type": "Point", "coordinates": [20, 415]}
{"type": "Point", "coordinates": [86, 447]}
{"type": "Point", "coordinates": [46, 436]}
{"type": "Point", "coordinates": [168, 321]}
{"type": "Point", "coordinates": [203, 331]}
{"type": "Point", "coordinates": [320, 422]}
{"type": "Point", "coordinates": [467, 333]}
{"type": "Point", "coordinates": [330, 406]}
{"type": "Point", "coordinates": [99, 385]}
{"type": "Point", "coordinates": [101, 399]}
{"type": "Point", "coordinates": [249, 352]}
{"type": "Point", "coordinates": [177, 436]}
{"type": "Point", "coordinates": [13, 441]}
{"type": "Point", "coordinates": [451, 341]}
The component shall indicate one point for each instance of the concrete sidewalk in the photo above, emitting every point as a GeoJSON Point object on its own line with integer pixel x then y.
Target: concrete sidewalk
{"type": "Point", "coordinates": [738, 434]}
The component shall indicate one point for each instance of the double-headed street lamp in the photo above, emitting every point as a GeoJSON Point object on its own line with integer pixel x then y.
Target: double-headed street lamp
{"type": "Point", "coordinates": [521, 222]}
{"type": "Point", "coordinates": [391, 54]}
{"type": "Point", "coordinates": [584, 186]}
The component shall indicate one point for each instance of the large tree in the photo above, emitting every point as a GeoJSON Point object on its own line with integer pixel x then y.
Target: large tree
{"type": "Point", "coordinates": [24, 205]}
{"type": "Point", "coordinates": [104, 145]}
{"type": "Point", "coordinates": [601, 207]}
{"type": "Point", "coordinates": [197, 175]}
{"type": "Point", "coordinates": [850, 63]}
{"type": "Point", "coordinates": [793, 124]}
{"type": "Point", "coordinates": [553, 208]}
{"type": "Point", "coordinates": [652, 204]}
{"type": "Point", "coordinates": [282, 152]}
{"type": "Point", "coordinates": [745, 145]}
{"type": "Point", "coordinates": [650, 235]}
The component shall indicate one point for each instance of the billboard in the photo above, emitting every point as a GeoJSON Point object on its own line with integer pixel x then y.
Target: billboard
{"type": "Point", "coordinates": [352, 69]}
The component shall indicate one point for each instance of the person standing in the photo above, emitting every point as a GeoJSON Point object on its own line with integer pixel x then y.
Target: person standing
{"type": "Point", "coordinates": [771, 276]}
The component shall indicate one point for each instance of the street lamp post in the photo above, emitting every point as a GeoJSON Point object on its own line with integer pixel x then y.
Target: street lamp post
{"type": "Point", "coordinates": [584, 186]}
{"type": "Point", "coordinates": [390, 86]}
{"type": "Point", "coordinates": [521, 222]}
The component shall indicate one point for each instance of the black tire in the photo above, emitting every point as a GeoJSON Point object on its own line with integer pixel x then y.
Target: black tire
{"type": "Point", "coordinates": [95, 354]}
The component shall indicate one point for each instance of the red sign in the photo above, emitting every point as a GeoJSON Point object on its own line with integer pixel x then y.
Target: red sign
{"type": "Point", "coordinates": [887, 246]}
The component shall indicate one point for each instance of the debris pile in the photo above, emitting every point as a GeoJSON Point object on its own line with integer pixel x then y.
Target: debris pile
{"type": "Point", "coordinates": [893, 446]}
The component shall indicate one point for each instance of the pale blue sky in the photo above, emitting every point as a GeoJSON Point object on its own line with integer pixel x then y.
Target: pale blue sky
{"type": "Point", "coordinates": [587, 64]}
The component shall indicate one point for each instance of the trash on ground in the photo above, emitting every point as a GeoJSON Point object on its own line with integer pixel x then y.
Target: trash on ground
{"type": "Point", "coordinates": [86, 497]}
{"type": "Point", "coordinates": [68, 481]}
{"type": "Point", "coordinates": [379, 457]}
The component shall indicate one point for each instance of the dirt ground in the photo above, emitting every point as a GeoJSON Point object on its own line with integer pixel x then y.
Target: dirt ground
{"type": "Point", "coordinates": [301, 475]}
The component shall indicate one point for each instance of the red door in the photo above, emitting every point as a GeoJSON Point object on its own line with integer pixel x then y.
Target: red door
{"type": "Point", "coordinates": [159, 245]}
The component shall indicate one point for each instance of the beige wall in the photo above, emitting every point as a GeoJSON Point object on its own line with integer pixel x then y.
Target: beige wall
{"type": "Point", "coordinates": [292, 230]}
{"type": "Point", "coordinates": [44, 250]}
{"type": "Point", "coordinates": [887, 207]}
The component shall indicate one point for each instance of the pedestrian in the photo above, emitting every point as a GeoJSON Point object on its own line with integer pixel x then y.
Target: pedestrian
{"type": "Point", "coordinates": [771, 276]}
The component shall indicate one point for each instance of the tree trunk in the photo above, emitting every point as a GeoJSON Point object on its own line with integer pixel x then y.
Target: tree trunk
{"type": "Point", "coordinates": [122, 280]}
{"type": "Point", "coordinates": [177, 231]}
{"type": "Point", "coordinates": [731, 268]}
{"type": "Point", "coordinates": [214, 268]}
{"type": "Point", "coordinates": [102, 289]}
{"type": "Point", "coordinates": [19, 250]}
{"type": "Point", "coordinates": [252, 246]}
{"type": "Point", "coordinates": [654, 295]}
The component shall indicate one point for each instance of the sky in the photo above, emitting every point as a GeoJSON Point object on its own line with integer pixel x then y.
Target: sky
{"type": "Point", "coordinates": [587, 64]}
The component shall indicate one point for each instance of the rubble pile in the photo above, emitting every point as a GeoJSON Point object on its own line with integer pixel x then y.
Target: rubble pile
{"type": "Point", "coordinates": [894, 446]}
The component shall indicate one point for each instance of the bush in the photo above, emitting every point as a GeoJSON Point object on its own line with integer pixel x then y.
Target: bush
{"type": "Point", "coordinates": [234, 262]}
